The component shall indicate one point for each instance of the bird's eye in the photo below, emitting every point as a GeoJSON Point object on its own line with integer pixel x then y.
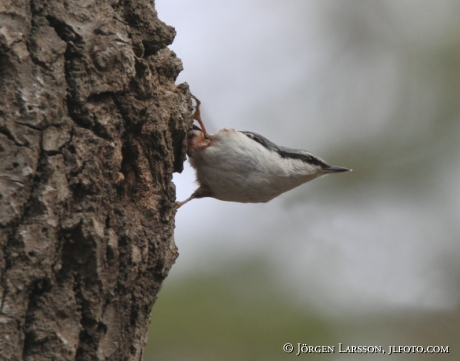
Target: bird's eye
{"type": "Point", "coordinates": [309, 159]}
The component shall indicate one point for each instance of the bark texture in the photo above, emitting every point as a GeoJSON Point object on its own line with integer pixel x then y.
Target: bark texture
{"type": "Point", "coordinates": [92, 126]}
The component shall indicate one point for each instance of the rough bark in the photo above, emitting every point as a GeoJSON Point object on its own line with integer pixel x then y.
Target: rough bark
{"type": "Point", "coordinates": [92, 126]}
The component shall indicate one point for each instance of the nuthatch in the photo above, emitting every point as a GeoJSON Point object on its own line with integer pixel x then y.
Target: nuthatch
{"type": "Point", "coordinates": [240, 166]}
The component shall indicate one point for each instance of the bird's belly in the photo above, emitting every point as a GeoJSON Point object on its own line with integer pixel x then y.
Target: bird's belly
{"type": "Point", "coordinates": [239, 169]}
{"type": "Point", "coordinates": [246, 187]}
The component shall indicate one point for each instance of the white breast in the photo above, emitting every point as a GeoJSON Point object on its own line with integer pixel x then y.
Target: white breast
{"type": "Point", "coordinates": [239, 169]}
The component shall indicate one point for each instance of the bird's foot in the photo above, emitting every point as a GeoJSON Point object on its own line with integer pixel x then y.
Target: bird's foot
{"type": "Point", "coordinates": [197, 116]}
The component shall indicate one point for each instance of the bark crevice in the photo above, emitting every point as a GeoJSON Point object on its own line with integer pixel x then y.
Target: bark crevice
{"type": "Point", "coordinates": [90, 134]}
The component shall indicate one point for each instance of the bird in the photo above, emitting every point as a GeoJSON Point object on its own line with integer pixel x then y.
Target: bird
{"type": "Point", "coordinates": [246, 167]}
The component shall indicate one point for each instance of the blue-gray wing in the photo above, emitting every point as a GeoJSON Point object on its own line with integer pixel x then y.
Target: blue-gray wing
{"type": "Point", "coordinates": [262, 140]}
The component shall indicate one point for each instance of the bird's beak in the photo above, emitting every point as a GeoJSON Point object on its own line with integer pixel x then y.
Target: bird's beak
{"type": "Point", "coordinates": [335, 169]}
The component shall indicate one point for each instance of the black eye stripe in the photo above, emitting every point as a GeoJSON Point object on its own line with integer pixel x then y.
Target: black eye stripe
{"type": "Point", "coordinates": [305, 158]}
{"type": "Point", "coordinates": [285, 152]}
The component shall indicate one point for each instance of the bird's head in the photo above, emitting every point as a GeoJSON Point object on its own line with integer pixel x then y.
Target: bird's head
{"type": "Point", "coordinates": [304, 162]}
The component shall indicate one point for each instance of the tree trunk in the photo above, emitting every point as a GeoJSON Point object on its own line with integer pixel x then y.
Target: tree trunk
{"type": "Point", "coordinates": [92, 127]}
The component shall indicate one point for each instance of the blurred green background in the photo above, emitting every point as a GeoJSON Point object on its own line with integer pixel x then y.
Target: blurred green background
{"type": "Point", "coordinates": [370, 257]}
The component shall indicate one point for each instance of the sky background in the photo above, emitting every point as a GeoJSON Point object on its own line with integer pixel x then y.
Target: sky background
{"type": "Point", "coordinates": [369, 257]}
